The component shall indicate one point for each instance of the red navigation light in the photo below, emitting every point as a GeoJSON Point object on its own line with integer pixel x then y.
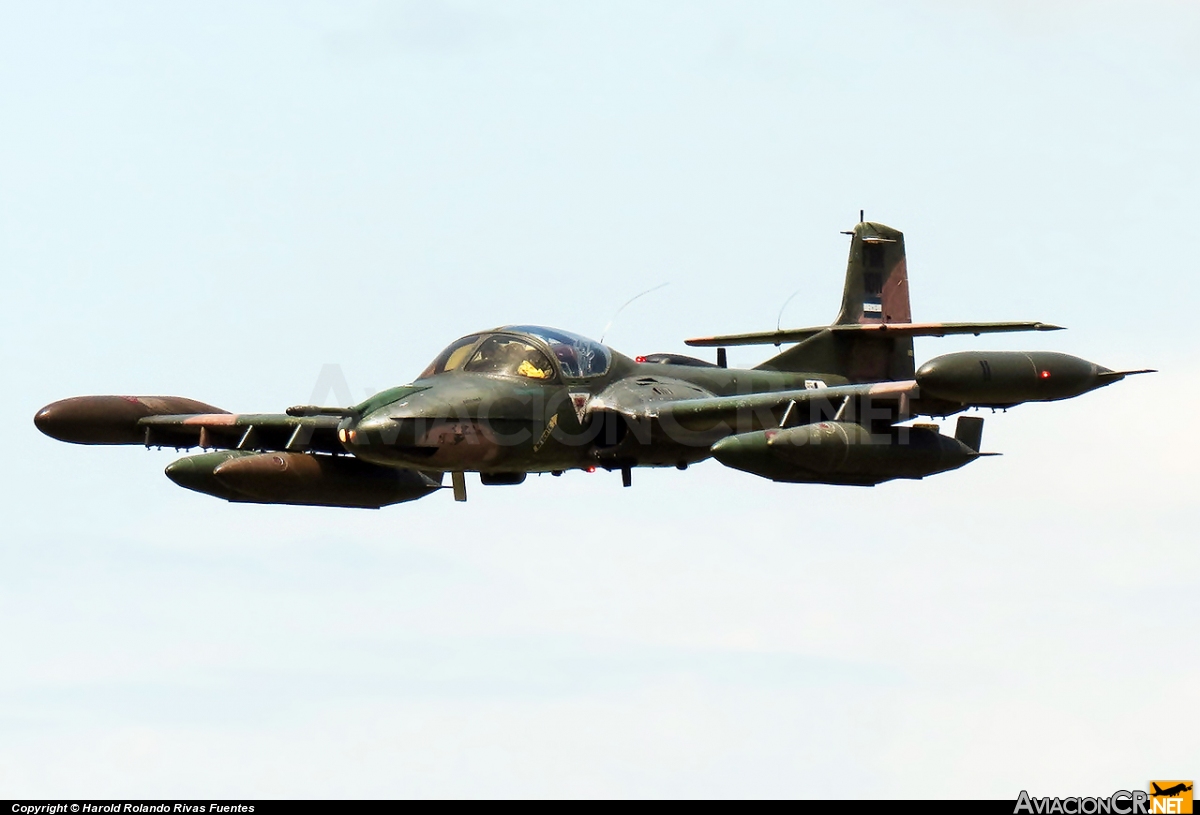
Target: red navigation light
{"type": "Point", "coordinates": [590, 469]}
{"type": "Point", "coordinates": [1045, 374]}
{"type": "Point", "coordinates": [639, 359]}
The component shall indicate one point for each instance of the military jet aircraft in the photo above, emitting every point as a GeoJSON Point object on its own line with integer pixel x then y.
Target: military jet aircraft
{"type": "Point", "coordinates": [527, 399]}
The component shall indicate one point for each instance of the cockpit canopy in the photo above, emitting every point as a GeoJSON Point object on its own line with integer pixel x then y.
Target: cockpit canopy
{"type": "Point", "coordinates": [521, 350]}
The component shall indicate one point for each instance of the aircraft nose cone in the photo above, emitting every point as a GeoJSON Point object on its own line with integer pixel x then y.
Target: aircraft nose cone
{"type": "Point", "coordinates": [383, 429]}
{"type": "Point", "coordinates": [358, 433]}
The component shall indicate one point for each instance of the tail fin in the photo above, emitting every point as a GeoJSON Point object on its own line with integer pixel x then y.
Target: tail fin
{"type": "Point", "coordinates": [876, 293]}
{"type": "Point", "coordinates": [876, 278]}
{"type": "Point", "coordinates": [969, 431]}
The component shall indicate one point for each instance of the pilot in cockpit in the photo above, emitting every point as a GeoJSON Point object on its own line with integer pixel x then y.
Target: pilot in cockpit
{"type": "Point", "coordinates": [509, 355]}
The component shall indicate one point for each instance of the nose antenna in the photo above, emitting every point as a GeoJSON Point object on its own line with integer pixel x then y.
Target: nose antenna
{"type": "Point", "coordinates": [617, 313]}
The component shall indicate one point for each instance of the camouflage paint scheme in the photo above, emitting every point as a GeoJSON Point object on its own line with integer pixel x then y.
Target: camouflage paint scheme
{"type": "Point", "coordinates": [522, 399]}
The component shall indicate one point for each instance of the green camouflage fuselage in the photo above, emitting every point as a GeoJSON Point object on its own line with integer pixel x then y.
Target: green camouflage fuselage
{"type": "Point", "coordinates": [487, 423]}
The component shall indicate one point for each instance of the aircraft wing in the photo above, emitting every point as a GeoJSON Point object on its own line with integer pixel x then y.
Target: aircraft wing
{"type": "Point", "coordinates": [244, 431]}
{"type": "Point", "coordinates": [174, 421]}
{"type": "Point", "coordinates": [756, 411]}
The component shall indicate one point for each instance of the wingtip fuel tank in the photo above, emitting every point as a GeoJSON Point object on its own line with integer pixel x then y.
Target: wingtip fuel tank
{"type": "Point", "coordinates": [110, 419]}
{"type": "Point", "coordinates": [1005, 378]}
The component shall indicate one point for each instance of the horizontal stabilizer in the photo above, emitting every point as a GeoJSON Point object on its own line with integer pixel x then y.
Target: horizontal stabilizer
{"type": "Point", "coordinates": [875, 329]}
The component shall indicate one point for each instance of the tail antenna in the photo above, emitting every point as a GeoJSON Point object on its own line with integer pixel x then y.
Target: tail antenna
{"type": "Point", "coordinates": [617, 313]}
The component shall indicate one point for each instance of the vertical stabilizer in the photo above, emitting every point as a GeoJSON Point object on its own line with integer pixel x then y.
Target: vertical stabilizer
{"type": "Point", "coordinates": [969, 431]}
{"type": "Point", "coordinates": [876, 278]}
{"type": "Point", "coordinates": [876, 292]}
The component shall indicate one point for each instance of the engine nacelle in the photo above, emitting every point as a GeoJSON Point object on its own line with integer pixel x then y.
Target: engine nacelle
{"type": "Point", "coordinates": [1004, 378]}
{"type": "Point", "coordinates": [846, 453]}
{"type": "Point", "coordinates": [299, 478]}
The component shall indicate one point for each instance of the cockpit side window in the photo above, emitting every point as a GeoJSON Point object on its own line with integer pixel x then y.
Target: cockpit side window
{"type": "Point", "coordinates": [452, 358]}
{"type": "Point", "coordinates": [510, 356]}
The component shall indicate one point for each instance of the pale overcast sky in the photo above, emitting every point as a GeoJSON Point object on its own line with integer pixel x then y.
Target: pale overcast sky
{"type": "Point", "coordinates": [216, 200]}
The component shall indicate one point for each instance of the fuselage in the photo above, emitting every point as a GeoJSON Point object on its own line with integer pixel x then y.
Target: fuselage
{"type": "Point", "coordinates": [530, 414]}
